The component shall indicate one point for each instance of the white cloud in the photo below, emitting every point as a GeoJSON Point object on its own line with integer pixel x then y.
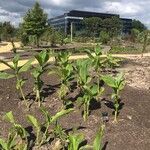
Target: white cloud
{"type": "Point", "coordinates": [13, 17]}
{"type": "Point", "coordinates": [122, 8]}
{"type": "Point", "coordinates": [13, 10]}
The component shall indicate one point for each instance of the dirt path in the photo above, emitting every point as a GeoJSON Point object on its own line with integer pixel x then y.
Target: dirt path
{"type": "Point", "coordinates": [7, 46]}
{"type": "Point", "coordinates": [128, 56]}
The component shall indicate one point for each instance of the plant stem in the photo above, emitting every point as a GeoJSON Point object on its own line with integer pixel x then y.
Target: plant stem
{"type": "Point", "coordinates": [38, 97]}
{"type": "Point", "coordinates": [115, 119]}
{"type": "Point", "coordinates": [20, 88]}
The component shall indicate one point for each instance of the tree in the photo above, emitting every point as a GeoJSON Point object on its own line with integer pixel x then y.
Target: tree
{"type": "Point", "coordinates": [104, 37]}
{"type": "Point", "coordinates": [113, 26]}
{"type": "Point", "coordinates": [135, 35]}
{"type": "Point", "coordinates": [7, 31]}
{"type": "Point", "coordinates": [136, 24]}
{"type": "Point", "coordinates": [92, 25]}
{"type": "Point", "coordinates": [52, 36]}
{"type": "Point", "coordinates": [34, 22]}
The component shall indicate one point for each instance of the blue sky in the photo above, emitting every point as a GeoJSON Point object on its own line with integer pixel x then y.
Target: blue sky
{"type": "Point", "coordinates": [13, 10]}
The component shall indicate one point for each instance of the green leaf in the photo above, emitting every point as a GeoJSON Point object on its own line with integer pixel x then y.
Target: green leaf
{"type": "Point", "coordinates": [60, 114]}
{"type": "Point", "coordinates": [3, 144]}
{"type": "Point", "coordinates": [46, 113]}
{"type": "Point", "coordinates": [20, 83]}
{"type": "Point", "coordinates": [33, 121]}
{"type": "Point", "coordinates": [97, 145]}
{"type": "Point", "coordinates": [109, 80]}
{"type": "Point", "coordinates": [74, 141]}
{"type": "Point", "coordinates": [89, 53]}
{"type": "Point", "coordinates": [9, 117]}
{"type": "Point", "coordinates": [20, 131]}
{"type": "Point", "coordinates": [98, 50]}
{"type": "Point", "coordinates": [26, 66]}
{"type": "Point", "coordinates": [4, 75]}
{"type": "Point", "coordinates": [15, 61]}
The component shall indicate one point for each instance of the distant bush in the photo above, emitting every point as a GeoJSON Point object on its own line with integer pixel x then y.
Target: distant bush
{"type": "Point", "coordinates": [124, 50]}
{"type": "Point", "coordinates": [104, 37]}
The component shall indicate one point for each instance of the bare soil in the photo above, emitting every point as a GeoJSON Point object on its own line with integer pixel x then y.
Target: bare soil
{"type": "Point", "coordinates": [132, 132]}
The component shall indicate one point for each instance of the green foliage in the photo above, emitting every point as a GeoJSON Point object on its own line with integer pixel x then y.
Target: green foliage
{"type": "Point", "coordinates": [75, 140]}
{"type": "Point", "coordinates": [17, 70]}
{"type": "Point", "coordinates": [95, 25]}
{"type": "Point", "coordinates": [67, 40]}
{"type": "Point", "coordinates": [17, 138]}
{"type": "Point", "coordinates": [38, 70]}
{"type": "Point", "coordinates": [95, 57]}
{"type": "Point", "coordinates": [136, 24]}
{"type": "Point", "coordinates": [34, 22]}
{"type": "Point", "coordinates": [92, 25]}
{"type": "Point", "coordinates": [111, 62]}
{"type": "Point", "coordinates": [64, 70]}
{"type": "Point", "coordinates": [7, 31]}
{"type": "Point", "coordinates": [97, 144]}
{"type": "Point", "coordinates": [104, 37]}
{"type": "Point", "coordinates": [135, 34]}
{"type": "Point", "coordinates": [113, 26]}
{"type": "Point", "coordinates": [117, 84]}
{"type": "Point", "coordinates": [82, 72]}
{"type": "Point", "coordinates": [89, 92]}
{"type": "Point", "coordinates": [44, 137]}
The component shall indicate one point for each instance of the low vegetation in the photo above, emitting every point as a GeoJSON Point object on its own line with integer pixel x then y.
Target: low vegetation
{"type": "Point", "coordinates": [67, 71]}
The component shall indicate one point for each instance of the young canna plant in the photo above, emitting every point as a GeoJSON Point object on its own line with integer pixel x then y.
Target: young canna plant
{"type": "Point", "coordinates": [82, 73]}
{"type": "Point", "coordinates": [62, 58]}
{"type": "Point", "coordinates": [110, 62]}
{"type": "Point", "coordinates": [7, 144]}
{"type": "Point", "coordinates": [17, 138]}
{"type": "Point", "coordinates": [89, 92]}
{"type": "Point", "coordinates": [117, 84]}
{"type": "Point", "coordinates": [95, 57]}
{"type": "Point", "coordinates": [38, 70]}
{"type": "Point", "coordinates": [64, 71]}
{"type": "Point", "coordinates": [97, 62]}
{"type": "Point", "coordinates": [42, 137]}
{"type": "Point", "coordinates": [74, 141]}
{"type": "Point", "coordinates": [17, 70]}
{"type": "Point", "coordinates": [97, 143]}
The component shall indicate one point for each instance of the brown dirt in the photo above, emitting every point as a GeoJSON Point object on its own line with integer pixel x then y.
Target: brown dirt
{"type": "Point", "coordinates": [131, 133]}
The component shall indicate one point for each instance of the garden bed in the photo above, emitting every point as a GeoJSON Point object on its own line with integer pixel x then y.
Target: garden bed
{"type": "Point", "coordinates": [132, 132]}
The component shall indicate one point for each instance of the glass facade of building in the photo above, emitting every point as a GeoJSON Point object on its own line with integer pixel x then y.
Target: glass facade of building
{"type": "Point", "coordinates": [75, 17]}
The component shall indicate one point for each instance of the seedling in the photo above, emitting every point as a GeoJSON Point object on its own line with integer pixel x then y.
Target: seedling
{"type": "Point", "coordinates": [17, 138]}
{"type": "Point", "coordinates": [17, 70]}
{"type": "Point", "coordinates": [44, 137]}
{"type": "Point", "coordinates": [89, 92]}
{"type": "Point", "coordinates": [65, 72]}
{"type": "Point", "coordinates": [111, 62]}
{"type": "Point", "coordinates": [75, 140]}
{"type": "Point", "coordinates": [95, 57]}
{"type": "Point", "coordinates": [117, 84]}
{"type": "Point", "coordinates": [97, 61]}
{"type": "Point", "coordinates": [42, 59]}
{"type": "Point", "coordinates": [82, 71]}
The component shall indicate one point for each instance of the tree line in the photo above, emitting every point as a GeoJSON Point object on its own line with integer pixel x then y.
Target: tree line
{"type": "Point", "coordinates": [35, 28]}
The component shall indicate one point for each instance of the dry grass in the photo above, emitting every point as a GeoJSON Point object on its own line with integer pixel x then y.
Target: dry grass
{"type": "Point", "coordinates": [7, 46]}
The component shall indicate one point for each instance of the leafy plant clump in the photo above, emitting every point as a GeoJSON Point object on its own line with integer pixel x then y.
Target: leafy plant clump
{"type": "Point", "coordinates": [17, 138]}
{"type": "Point", "coordinates": [75, 141]}
{"type": "Point", "coordinates": [17, 70]}
{"type": "Point", "coordinates": [38, 70]}
{"type": "Point", "coordinates": [43, 137]}
{"type": "Point", "coordinates": [64, 70]}
{"type": "Point", "coordinates": [117, 84]}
